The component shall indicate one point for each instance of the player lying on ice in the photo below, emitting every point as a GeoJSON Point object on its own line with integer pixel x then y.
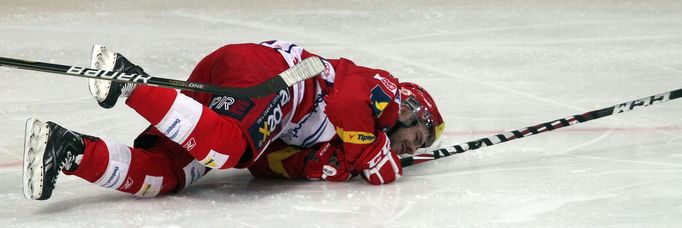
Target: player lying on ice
{"type": "Point", "coordinates": [349, 120]}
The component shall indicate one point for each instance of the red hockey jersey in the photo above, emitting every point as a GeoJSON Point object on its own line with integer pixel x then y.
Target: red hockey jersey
{"type": "Point", "coordinates": [347, 100]}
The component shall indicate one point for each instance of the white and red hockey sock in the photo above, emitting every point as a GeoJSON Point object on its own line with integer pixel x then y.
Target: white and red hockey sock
{"type": "Point", "coordinates": [144, 173]}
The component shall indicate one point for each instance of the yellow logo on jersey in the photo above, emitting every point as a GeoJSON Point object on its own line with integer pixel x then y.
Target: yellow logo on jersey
{"type": "Point", "coordinates": [145, 189]}
{"type": "Point", "coordinates": [210, 163]}
{"type": "Point", "coordinates": [265, 130]}
{"type": "Point", "coordinates": [355, 137]}
{"type": "Point", "coordinates": [379, 100]}
{"type": "Point", "coordinates": [380, 105]}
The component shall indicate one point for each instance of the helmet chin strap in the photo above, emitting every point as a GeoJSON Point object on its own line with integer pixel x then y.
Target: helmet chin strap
{"type": "Point", "coordinates": [393, 129]}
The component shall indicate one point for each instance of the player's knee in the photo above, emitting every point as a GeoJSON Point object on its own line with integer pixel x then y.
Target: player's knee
{"type": "Point", "coordinates": [218, 146]}
{"type": "Point", "coordinates": [216, 142]}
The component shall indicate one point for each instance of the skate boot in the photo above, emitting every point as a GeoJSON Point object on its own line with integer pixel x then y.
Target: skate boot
{"type": "Point", "coordinates": [48, 148]}
{"type": "Point", "coordinates": [107, 92]}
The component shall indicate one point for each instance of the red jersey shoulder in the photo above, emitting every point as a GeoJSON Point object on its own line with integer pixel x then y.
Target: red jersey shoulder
{"type": "Point", "coordinates": [375, 87]}
{"type": "Point", "coordinates": [382, 86]}
{"type": "Point", "coordinates": [383, 93]}
{"type": "Point", "coordinates": [369, 76]}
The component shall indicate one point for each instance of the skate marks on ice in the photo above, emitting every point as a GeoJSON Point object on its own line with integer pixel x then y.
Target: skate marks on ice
{"type": "Point", "coordinates": [545, 206]}
{"type": "Point", "coordinates": [530, 213]}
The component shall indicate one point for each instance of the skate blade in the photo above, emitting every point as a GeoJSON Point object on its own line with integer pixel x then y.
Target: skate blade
{"type": "Point", "coordinates": [35, 139]}
{"type": "Point", "coordinates": [101, 59]}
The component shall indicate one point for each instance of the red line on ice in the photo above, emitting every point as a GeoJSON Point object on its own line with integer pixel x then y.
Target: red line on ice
{"type": "Point", "coordinates": [11, 164]}
{"type": "Point", "coordinates": [596, 129]}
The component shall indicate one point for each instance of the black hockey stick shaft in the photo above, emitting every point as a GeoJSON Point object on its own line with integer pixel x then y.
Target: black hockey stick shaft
{"type": "Point", "coordinates": [540, 128]}
{"type": "Point", "coordinates": [307, 68]}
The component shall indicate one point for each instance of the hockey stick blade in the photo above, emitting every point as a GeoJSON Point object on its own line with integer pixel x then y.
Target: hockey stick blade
{"type": "Point", "coordinates": [307, 68]}
{"type": "Point", "coordinates": [540, 128]}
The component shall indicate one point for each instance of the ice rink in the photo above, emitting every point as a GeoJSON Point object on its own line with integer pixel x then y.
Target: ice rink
{"type": "Point", "coordinates": [492, 66]}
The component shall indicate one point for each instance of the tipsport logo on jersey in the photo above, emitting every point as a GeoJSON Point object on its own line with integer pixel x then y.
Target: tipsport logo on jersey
{"type": "Point", "coordinates": [268, 122]}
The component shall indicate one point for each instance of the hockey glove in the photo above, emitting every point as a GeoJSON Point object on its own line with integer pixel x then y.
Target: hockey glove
{"type": "Point", "coordinates": [327, 163]}
{"type": "Point", "coordinates": [378, 163]}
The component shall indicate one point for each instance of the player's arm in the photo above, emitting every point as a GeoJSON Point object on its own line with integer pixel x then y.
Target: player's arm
{"type": "Point", "coordinates": [361, 109]}
{"type": "Point", "coordinates": [323, 161]}
{"type": "Point", "coordinates": [326, 161]}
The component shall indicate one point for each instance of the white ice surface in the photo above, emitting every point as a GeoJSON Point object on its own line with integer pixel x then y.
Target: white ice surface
{"type": "Point", "coordinates": [491, 65]}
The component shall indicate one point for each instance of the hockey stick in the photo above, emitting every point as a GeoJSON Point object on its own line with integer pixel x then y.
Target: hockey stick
{"type": "Point", "coordinates": [540, 128]}
{"type": "Point", "coordinates": [307, 68]}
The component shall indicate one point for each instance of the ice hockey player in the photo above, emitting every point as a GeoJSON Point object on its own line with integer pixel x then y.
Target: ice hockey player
{"type": "Point", "coordinates": [349, 120]}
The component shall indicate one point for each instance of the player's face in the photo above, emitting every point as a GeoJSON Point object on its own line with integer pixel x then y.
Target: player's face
{"type": "Point", "coordinates": [406, 140]}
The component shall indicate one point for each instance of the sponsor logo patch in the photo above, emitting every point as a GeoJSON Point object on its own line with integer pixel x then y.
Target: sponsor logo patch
{"type": "Point", "coordinates": [190, 144]}
{"type": "Point", "coordinates": [150, 187]}
{"type": "Point", "coordinates": [129, 183]}
{"type": "Point", "coordinates": [113, 179]}
{"type": "Point", "coordinates": [231, 106]}
{"type": "Point", "coordinates": [379, 100]}
{"type": "Point", "coordinates": [214, 159]}
{"type": "Point", "coordinates": [114, 176]}
{"type": "Point", "coordinates": [173, 129]}
{"type": "Point", "coordinates": [269, 121]}
{"type": "Point", "coordinates": [389, 85]}
{"type": "Point", "coordinates": [193, 171]}
{"type": "Point", "coordinates": [355, 137]}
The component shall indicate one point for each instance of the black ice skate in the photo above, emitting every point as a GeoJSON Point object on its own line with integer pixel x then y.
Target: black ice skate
{"type": "Point", "coordinates": [107, 92]}
{"type": "Point", "coordinates": [48, 148]}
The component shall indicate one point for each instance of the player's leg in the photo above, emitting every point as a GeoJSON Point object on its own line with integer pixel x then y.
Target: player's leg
{"type": "Point", "coordinates": [51, 148]}
{"type": "Point", "coordinates": [142, 172]}
{"type": "Point", "coordinates": [215, 141]}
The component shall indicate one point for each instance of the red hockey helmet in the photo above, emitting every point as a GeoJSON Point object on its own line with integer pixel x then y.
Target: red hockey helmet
{"type": "Point", "coordinates": [415, 99]}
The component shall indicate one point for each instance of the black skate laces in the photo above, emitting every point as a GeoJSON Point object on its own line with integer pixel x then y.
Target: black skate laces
{"type": "Point", "coordinates": [70, 162]}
